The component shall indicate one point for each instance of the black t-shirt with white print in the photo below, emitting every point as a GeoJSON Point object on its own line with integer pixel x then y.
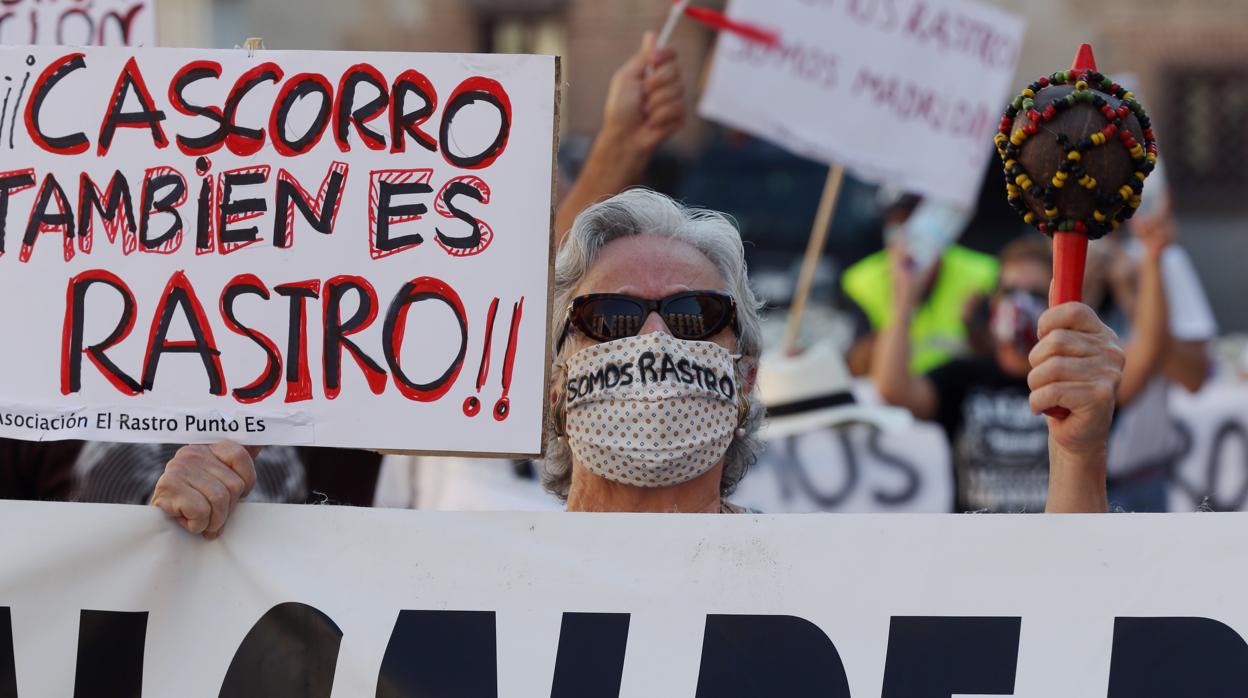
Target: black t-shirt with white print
{"type": "Point", "coordinates": [1000, 449]}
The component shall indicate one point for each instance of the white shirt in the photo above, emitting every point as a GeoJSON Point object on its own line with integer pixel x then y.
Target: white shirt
{"type": "Point", "coordinates": [1143, 433]}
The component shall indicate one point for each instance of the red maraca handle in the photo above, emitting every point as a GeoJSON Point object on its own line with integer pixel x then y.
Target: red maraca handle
{"type": "Point", "coordinates": [1070, 250]}
{"type": "Point", "coordinates": [1070, 256]}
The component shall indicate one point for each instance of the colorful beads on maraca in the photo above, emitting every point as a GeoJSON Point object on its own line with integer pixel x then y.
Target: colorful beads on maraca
{"type": "Point", "coordinates": [1095, 89]}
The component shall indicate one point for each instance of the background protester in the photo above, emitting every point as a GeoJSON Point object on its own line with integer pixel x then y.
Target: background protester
{"type": "Point", "coordinates": [948, 286]}
{"type": "Point", "coordinates": [1150, 294]}
{"type": "Point", "coordinates": [1000, 443]}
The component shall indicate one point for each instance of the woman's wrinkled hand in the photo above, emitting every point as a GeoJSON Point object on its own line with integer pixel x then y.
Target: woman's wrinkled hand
{"type": "Point", "coordinates": [203, 484]}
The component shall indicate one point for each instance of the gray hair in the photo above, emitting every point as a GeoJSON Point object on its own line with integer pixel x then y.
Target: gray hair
{"type": "Point", "coordinates": [715, 235]}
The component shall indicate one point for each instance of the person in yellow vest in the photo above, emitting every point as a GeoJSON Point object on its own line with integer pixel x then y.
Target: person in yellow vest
{"type": "Point", "coordinates": [951, 284]}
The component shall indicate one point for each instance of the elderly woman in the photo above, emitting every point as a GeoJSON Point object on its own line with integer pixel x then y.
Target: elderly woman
{"type": "Point", "coordinates": [657, 339]}
{"type": "Point", "coordinates": [657, 347]}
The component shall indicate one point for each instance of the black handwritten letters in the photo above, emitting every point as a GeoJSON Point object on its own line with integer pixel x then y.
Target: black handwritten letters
{"type": "Point", "coordinates": [650, 367]}
{"type": "Point", "coordinates": [180, 300]}
{"type": "Point", "coordinates": [293, 650]}
{"type": "Point", "coordinates": [297, 133]}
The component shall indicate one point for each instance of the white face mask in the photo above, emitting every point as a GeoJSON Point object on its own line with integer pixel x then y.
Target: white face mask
{"type": "Point", "coordinates": [651, 410]}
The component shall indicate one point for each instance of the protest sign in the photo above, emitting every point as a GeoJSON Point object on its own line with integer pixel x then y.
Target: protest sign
{"type": "Point", "coordinates": [1211, 465]}
{"type": "Point", "coordinates": [852, 468]}
{"type": "Point", "coordinates": [906, 93]}
{"type": "Point", "coordinates": [78, 22]}
{"type": "Point", "coordinates": [341, 249]}
{"type": "Point", "coordinates": [114, 600]}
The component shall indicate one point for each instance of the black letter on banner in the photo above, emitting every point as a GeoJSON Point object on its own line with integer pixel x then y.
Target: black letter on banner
{"type": "Point", "coordinates": [190, 74]}
{"type": "Point", "coordinates": [385, 212]}
{"type": "Point", "coordinates": [180, 295]}
{"type": "Point", "coordinates": [54, 73]}
{"type": "Point", "coordinates": [291, 651]}
{"type": "Point", "coordinates": [41, 217]}
{"type": "Point", "coordinates": [591, 655]}
{"type": "Point", "coordinates": [72, 349]}
{"type": "Point", "coordinates": [749, 656]}
{"type": "Point", "coordinates": [166, 204]}
{"type": "Point", "coordinates": [131, 81]}
{"type": "Point", "coordinates": [910, 489]}
{"type": "Point", "coordinates": [469, 92]}
{"type": "Point", "coordinates": [345, 113]}
{"type": "Point", "coordinates": [1226, 431]}
{"type": "Point", "coordinates": [12, 182]}
{"type": "Point", "coordinates": [267, 382]}
{"type": "Point", "coordinates": [452, 190]}
{"type": "Point", "coordinates": [8, 665]}
{"type": "Point", "coordinates": [938, 657]}
{"type": "Point", "coordinates": [116, 208]}
{"type": "Point", "coordinates": [336, 331]}
{"type": "Point", "coordinates": [230, 208]}
{"type": "Point", "coordinates": [296, 89]}
{"type": "Point", "coordinates": [1165, 657]}
{"type": "Point", "coordinates": [791, 469]}
{"type": "Point", "coordinates": [404, 123]}
{"type": "Point", "coordinates": [414, 291]}
{"type": "Point", "coordinates": [440, 654]}
{"type": "Point", "coordinates": [289, 192]}
{"type": "Point", "coordinates": [110, 654]}
{"type": "Point", "coordinates": [298, 381]}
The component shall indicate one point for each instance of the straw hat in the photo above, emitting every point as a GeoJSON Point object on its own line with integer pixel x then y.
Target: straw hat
{"type": "Point", "coordinates": [814, 390]}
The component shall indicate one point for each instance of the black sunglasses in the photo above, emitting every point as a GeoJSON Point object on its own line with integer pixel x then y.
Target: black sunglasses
{"type": "Point", "coordinates": [689, 315]}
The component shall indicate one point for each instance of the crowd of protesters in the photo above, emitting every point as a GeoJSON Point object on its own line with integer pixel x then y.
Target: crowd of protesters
{"type": "Point", "coordinates": [968, 342]}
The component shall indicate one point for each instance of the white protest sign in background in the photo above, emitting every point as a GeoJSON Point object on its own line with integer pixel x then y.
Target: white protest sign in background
{"type": "Point", "coordinates": [343, 249]}
{"type": "Point", "coordinates": [860, 468]}
{"type": "Point", "coordinates": [115, 600]}
{"type": "Point", "coordinates": [906, 93]}
{"type": "Point", "coordinates": [78, 22]}
{"type": "Point", "coordinates": [852, 468]}
{"type": "Point", "coordinates": [1212, 466]}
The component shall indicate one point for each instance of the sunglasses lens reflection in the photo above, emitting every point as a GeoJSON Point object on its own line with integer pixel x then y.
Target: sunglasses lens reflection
{"type": "Point", "coordinates": [695, 316]}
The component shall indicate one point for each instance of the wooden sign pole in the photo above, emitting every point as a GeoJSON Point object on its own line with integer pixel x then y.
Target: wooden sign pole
{"type": "Point", "coordinates": [814, 251]}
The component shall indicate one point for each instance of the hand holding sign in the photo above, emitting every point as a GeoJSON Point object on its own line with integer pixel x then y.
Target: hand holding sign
{"type": "Point", "coordinates": [646, 100]}
{"type": "Point", "coordinates": [203, 484]}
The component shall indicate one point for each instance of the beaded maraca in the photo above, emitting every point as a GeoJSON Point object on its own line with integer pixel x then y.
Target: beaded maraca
{"type": "Point", "coordinates": [1076, 149]}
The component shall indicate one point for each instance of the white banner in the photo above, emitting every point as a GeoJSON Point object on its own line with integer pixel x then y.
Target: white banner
{"type": "Point", "coordinates": [903, 92]}
{"type": "Point", "coordinates": [78, 22]}
{"type": "Point", "coordinates": [338, 249]}
{"type": "Point", "coordinates": [322, 601]}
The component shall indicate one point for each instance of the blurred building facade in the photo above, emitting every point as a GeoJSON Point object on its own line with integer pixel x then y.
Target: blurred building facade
{"type": "Point", "coordinates": [1190, 58]}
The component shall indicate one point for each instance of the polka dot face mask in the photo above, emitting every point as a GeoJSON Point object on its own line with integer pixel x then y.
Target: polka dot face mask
{"type": "Point", "coordinates": [651, 410]}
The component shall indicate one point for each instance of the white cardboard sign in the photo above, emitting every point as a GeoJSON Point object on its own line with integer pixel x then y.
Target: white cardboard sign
{"type": "Point", "coordinates": [852, 468]}
{"type": "Point", "coordinates": [903, 92]}
{"type": "Point", "coordinates": [325, 602]}
{"type": "Point", "coordinates": [1211, 470]}
{"type": "Point", "coordinates": [78, 22]}
{"type": "Point", "coordinates": [341, 249]}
